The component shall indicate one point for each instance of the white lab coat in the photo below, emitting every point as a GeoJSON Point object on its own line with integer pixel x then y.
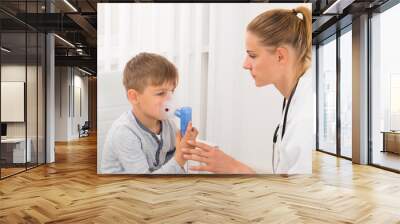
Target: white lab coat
{"type": "Point", "coordinates": [293, 154]}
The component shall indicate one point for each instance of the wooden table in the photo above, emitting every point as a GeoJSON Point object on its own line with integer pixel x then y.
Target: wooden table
{"type": "Point", "coordinates": [391, 141]}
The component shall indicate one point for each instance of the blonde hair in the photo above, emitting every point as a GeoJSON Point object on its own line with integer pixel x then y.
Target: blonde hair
{"type": "Point", "coordinates": [282, 26]}
{"type": "Point", "coordinates": [148, 69]}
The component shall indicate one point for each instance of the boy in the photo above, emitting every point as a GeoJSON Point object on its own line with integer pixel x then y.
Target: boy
{"type": "Point", "coordinates": [142, 140]}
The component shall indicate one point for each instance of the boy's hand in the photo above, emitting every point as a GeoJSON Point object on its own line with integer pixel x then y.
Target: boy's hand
{"type": "Point", "coordinates": [191, 134]}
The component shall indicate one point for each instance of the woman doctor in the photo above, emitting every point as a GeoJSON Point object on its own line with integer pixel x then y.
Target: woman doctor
{"type": "Point", "coordinates": [278, 46]}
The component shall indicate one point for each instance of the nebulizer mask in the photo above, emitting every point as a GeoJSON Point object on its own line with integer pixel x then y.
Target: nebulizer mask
{"type": "Point", "coordinates": [170, 109]}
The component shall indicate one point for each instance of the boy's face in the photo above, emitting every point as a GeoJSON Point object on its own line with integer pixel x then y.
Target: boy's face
{"type": "Point", "coordinates": [151, 101]}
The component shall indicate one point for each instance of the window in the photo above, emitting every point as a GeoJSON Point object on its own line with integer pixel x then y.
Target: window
{"type": "Point", "coordinates": [22, 65]}
{"type": "Point", "coordinates": [346, 93]}
{"type": "Point", "coordinates": [385, 89]}
{"type": "Point", "coordinates": [327, 96]}
{"type": "Point", "coordinates": [395, 102]}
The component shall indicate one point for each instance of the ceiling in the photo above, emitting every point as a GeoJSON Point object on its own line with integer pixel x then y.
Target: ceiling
{"type": "Point", "coordinates": [76, 22]}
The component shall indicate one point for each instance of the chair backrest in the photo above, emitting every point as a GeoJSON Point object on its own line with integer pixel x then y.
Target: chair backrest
{"type": "Point", "coordinates": [86, 125]}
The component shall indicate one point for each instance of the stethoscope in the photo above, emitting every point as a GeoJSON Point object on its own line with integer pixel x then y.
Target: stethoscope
{"type": "Point", "coordinates": [283, 126]}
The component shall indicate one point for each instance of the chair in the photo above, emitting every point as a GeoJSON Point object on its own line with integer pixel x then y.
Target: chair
{"type": "Point", "coordinates": [84, 130]}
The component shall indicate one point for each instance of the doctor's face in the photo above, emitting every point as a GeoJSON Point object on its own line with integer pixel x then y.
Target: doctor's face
{"type": "Point", "coordinates": [261, 61]}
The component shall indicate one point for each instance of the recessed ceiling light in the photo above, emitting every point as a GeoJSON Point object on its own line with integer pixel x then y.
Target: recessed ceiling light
{"type": "Point", "coordinates": [70, 5]}
{"type": "Point", "coordinates": [84, 71]}
{"type": "Point", "coordinates": [338, 6]}
{"type": "Point", "coordinates": [64, 40]}
{"type": "Point", "coordinates": [5, 50]}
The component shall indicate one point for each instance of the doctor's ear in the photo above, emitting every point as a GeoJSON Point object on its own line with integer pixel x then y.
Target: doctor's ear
{"type": "Point", "coordinates": [133, 96]}
{"type": "Point", "coordinates": [282, 54]}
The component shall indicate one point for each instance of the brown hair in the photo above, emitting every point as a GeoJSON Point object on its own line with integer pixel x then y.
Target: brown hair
{"type": "Point", "coordinates": [283, 26]}
{"type": "Point", "coordinates": [148, 69]}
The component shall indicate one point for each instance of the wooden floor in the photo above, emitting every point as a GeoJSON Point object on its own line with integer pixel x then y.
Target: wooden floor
{"type": "Point", "coordinates": [387, 159]}
{"type": "Point", "coordinates": [70, 191]}
{"type": "Point", "coordinates": [10, 171]}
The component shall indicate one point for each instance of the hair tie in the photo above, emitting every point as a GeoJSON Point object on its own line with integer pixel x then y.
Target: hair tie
{"type": "Point", "coordinates": [298, 14]}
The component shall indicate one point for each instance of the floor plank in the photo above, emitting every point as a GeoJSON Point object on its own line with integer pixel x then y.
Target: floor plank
{"type": "Point", "coordinates": [70, 191]}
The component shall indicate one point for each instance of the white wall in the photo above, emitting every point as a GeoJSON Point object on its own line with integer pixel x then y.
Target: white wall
{"type": "Point", "coordinates": [17, 73]}
{"type": "Point", "coordinates": [61, 103]}
{"type": "Point", "coordinates": [79, 117]}
{"type": "Point", "coordinates": [12, 99]}
{"type": "Point", "coordinates": [68, 81]}
{"type": "Point", "coordinates": [206, 43]}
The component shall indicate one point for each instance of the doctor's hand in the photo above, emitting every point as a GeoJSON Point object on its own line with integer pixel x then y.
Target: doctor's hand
{"type": "Point", "coordinates": [214, 160]}
{"type": "Point", "coordinates": [190, 134]}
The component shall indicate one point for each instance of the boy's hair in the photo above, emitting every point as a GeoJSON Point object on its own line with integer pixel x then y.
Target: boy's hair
{"type": "Point", "coordinates": [149, 69]}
